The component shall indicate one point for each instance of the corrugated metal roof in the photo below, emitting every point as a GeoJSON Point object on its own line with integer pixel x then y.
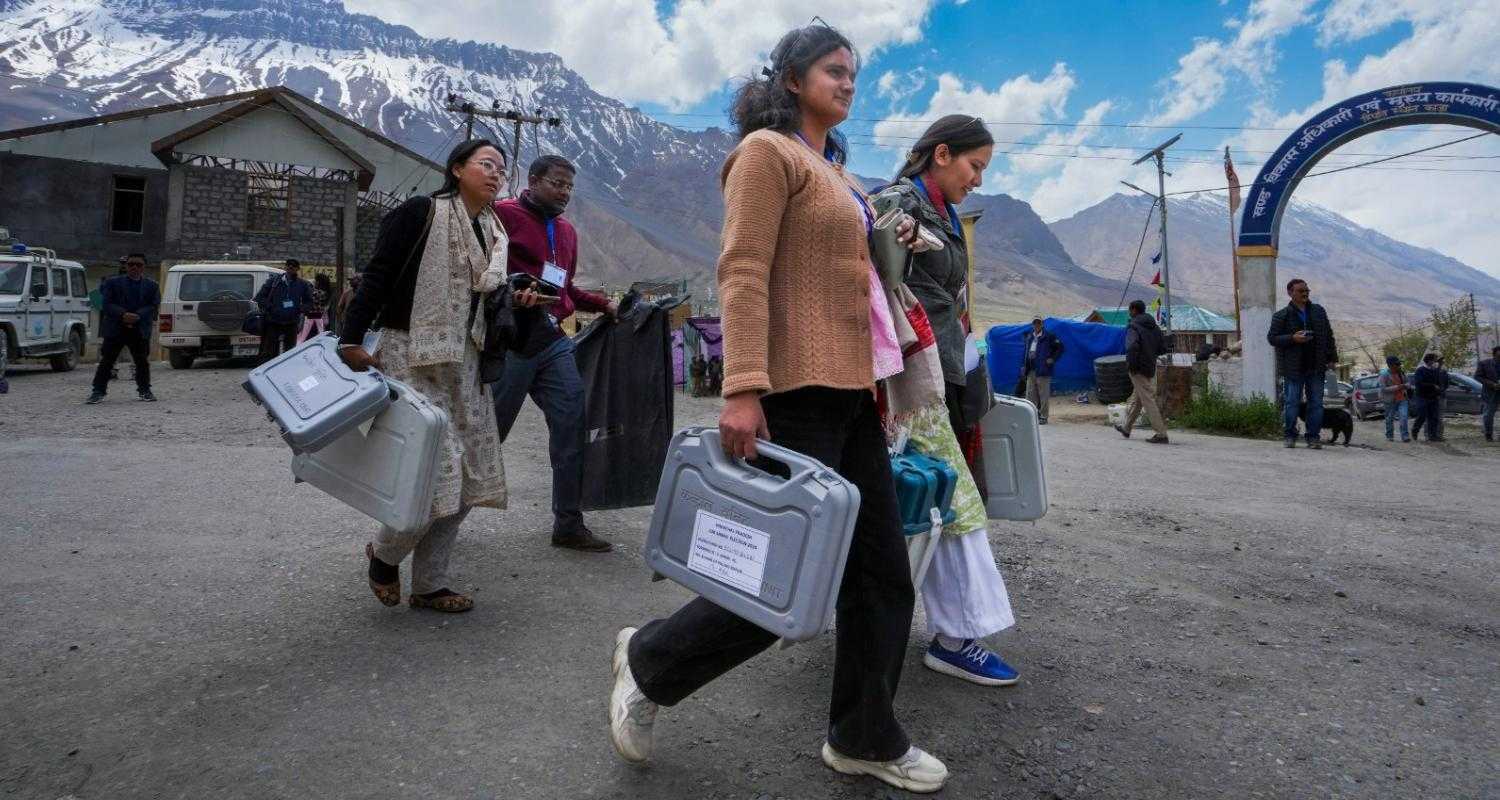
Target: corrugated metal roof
{"type": "Point", "coordinates": [1185, 317]}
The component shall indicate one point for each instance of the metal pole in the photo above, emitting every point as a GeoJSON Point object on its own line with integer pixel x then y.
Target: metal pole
{"type": "Point", "coordinates": [1166, 260]}
{"type": "Point", "coordinates": [1234, 265]}
{"type": "Point", "coordinates": [1474, 312]}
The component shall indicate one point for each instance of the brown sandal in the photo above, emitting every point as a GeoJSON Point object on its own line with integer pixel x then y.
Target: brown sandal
{"type": "Point", "coordinates": [445, 601]}
{"type": "Point", "coordinates": [389, 594]}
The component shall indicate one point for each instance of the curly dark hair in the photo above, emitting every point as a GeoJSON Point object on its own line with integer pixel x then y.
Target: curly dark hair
{"type": "Point", "coordinates": [765, 102]}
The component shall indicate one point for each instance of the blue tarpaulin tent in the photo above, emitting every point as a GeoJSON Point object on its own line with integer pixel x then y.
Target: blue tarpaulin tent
{"type": "Point", "coordinates": [1082, 343]}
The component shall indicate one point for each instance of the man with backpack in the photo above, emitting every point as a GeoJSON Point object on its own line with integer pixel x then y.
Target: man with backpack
{"type": "Point", "coordinates": [1144, 342]}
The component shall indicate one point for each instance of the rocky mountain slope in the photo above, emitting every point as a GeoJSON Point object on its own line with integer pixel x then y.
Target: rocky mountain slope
{"type": "Point", "coordinates": [1356, 272]}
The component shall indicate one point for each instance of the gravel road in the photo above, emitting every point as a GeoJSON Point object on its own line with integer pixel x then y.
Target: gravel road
{"type": "Point", "coordinates": [1218, 618]}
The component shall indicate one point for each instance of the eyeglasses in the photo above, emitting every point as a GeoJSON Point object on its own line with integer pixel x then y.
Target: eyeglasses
{"type": "Point", "coordinates": [560, 185]}
{"type": "Point", "coordinates": [491, 166]}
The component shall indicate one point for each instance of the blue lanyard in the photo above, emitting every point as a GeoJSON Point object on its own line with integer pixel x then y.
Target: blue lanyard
{"type": "Point", "coordinates": [952, 212]}
{"type": "Point", "coordinates": [552, 238]}
{"type": "Point", "coordinates": [864, 207]}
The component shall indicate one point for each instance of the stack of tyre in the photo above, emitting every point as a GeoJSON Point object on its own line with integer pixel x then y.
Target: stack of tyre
{"type": "Point", "coordinates": [1111, 379]}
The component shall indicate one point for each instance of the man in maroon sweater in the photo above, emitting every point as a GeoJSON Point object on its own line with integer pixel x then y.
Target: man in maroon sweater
{"type": "Point", "coordinates": [542, 363]}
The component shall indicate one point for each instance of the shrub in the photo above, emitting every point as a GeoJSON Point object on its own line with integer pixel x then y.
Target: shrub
{"type": "Point", "coordinates": [1212, 411]}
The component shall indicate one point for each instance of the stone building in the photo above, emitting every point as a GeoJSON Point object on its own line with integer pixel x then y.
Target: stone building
{"type": "Point", "coordinates": [261, 175]}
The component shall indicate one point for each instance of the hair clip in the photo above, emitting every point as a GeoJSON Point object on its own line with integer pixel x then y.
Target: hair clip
{"type": "Point", "coordinates": [766, 71]}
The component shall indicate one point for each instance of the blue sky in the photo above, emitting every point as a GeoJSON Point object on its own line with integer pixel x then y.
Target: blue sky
{"type": "Point", "coordinates": [1036, 70]}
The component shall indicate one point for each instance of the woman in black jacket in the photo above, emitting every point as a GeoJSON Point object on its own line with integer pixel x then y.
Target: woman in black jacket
{"type": "Point", "coordinates": [435, 260]}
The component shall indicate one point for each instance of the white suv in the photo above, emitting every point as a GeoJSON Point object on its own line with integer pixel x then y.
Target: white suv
{"type": "Point", "coordinates": [203, 308]}
{"type": "Point", "coordinates": [44, 307]}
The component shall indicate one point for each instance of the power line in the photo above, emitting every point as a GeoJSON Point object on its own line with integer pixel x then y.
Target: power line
{"type": "Point", "coordinates": [1355, 166]}
{"type": "Point", "coordinates": [1144, 230]}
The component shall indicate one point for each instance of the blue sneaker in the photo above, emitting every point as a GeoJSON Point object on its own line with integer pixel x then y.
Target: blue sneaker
{"type": "Point", "coordinates": [971, 662]}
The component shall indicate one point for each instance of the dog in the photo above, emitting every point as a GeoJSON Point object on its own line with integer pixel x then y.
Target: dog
{"type": "Point", "coordinates": [1335, 421]}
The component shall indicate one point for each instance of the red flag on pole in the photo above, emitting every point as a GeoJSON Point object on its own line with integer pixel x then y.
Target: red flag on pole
{"type": "Point", "coordinates": [1234, 183]}
{"type": "Point", "coordinates": [1156, 281]}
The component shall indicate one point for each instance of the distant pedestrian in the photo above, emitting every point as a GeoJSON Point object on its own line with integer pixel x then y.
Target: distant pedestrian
{"type": "Point", "coordinates": [1488, 375]}
{"type": "Point", "coordinates": [698, 370]}
{"type": "Point", "coordinates": [1429, 380]}
{"type": "Point", "coordinates": [284, 300]}
{"type": "Point", "coordinates": [316, 321]}
{"type": "Point", "coordinates": [130, 302]}
{"type": "Point", "coordinates": [1144, 342]}
{"type": "Point", "coordinates": [1305, 351]}
{"type": "Point", "coordinates": [1393, 395]}
{"type": "Point", "coordinates": [341, 307]}
{"type": "Point", "coordinates": [1042, 350]}
{"type": "Point", "coordinates": [715, 375]}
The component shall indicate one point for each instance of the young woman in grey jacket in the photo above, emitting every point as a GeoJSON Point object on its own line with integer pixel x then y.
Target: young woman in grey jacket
{"type": "Point", "coordinates": [963, 593]}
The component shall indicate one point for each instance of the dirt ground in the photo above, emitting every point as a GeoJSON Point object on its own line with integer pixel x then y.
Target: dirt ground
{"type": "Point", "coordinates": [1217, 618]}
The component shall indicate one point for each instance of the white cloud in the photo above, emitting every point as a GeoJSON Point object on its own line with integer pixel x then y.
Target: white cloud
{"type": "Point", "coordinates": [1203, 73]}
{"type": "Point", "coordinates": [626, 49]}
{"type": "Point", "coordinates": [1021, 99]}
{"type": "Point", "coordinates": [898, 87]}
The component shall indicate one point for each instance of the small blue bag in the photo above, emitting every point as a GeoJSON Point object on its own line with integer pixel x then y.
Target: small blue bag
{"type": "Point", "coordinates": [922, 484]}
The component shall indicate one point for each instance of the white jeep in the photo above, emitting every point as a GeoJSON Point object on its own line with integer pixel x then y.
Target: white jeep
{"type": "Point", "coordinates": [203, 310]}
{"type": "Point", "coordinates": [44, 307]}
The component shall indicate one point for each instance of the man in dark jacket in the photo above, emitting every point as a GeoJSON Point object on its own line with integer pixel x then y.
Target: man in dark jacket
{"type": "Point", "coordinates": [1041, 351]}
{"type": "Point", "coordinates": [1305, 351]}
{"type": "Point", "coordinates": [284, 300]}
{"type": "Point", "coordinates": [129, 312]}
{"type": "Point", "coordinates": [543, 363]}
{"type": "Point", "coordinates": [1488, 375]}
{"type": "Point", "coordinates": [1431, 381]}
{"type": "Point", "coordinates": [1144, 342]}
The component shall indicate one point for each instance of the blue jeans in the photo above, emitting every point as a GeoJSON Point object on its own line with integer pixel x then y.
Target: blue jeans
{"type": "Point", "coordinates": [1295, 386]}
{"type": "Point", "coordinates": [551, 379]}
{"type": "Point", "coordinates": [1399, 408]}
{"type": "Point", "coordinates": [1488, 415]}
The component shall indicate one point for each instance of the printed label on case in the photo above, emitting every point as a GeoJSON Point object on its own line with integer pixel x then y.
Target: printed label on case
{"type": "Point", "coordinates": [729, 552]}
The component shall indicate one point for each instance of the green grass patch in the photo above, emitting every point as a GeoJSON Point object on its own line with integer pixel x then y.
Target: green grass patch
{"type": "Point", "coordinates": [1212, 411]}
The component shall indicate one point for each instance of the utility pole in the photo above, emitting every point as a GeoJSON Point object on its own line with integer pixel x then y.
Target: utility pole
{"type": "Point", "coordinates": [1159, 154]}
{"type": "Point", "coordinates": [516, 117]}
{"type": "Point", "coordinates": [1474, 312]}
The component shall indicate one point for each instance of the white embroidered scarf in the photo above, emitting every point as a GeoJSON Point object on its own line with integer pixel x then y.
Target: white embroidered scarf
{"type": "Point", "coordinates": [453, 267]}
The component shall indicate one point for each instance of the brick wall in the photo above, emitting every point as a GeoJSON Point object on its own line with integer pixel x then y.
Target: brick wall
{"type": "Point", "coordinates": [214, 212]}
{"type": "Point", "coordinates": [365, 233]}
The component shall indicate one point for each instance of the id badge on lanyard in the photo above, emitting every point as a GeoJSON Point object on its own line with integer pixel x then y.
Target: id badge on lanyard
{"type": "Point", "coordinates": [551, 273]}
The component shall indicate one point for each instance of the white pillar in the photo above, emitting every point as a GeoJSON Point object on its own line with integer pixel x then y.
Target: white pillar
{"type": "Point", "coordinates": [1257, 304]}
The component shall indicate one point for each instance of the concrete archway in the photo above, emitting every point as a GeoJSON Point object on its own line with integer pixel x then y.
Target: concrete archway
{"type": "Point", "coordinates": [1465, 104]}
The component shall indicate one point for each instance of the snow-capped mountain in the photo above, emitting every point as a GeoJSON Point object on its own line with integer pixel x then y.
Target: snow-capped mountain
{"type": "Point", "coordinates": [66, 58]}
{"type": "Point", "coordinates": [1358, 273]}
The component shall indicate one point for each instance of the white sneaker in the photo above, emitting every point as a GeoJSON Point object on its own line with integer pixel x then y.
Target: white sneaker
{"type": "Point", "coordinates": [631, 714]}
{"type": "Point", "coordinates": [917, 771]}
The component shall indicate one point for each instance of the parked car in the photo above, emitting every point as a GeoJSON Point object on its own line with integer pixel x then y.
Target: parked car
{"type": "Point", "coordinates": [1465, 395]}
{"type": "Point", "coordinates": [203, 310]}
{"type": "Point", "coordinates": [44, 307]}
{"type": "Point", "coordinates": [1366, 398]}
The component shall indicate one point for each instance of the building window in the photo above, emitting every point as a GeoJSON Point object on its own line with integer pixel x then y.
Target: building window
{"type": "Point", "coordinates": [268, 203]}
{"type": "Point", "coordinates": [127, 211]}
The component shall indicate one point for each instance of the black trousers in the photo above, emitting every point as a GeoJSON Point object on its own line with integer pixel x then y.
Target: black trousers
{"type": "Point", "coordinates": [673, 657]}
{"type": "Point", "coordinates": [109, 353]}
{"type": "Point", "coordinates": [276, 339]}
